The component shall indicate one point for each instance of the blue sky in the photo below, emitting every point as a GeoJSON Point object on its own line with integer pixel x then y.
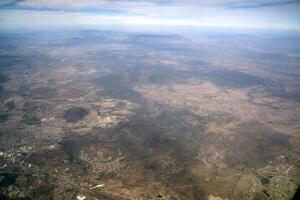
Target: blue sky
{"type": "Point", "coordinates": [267, 14]}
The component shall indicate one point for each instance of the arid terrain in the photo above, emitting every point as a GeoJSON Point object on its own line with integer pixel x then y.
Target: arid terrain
{"type": "Point", "coordinates": [89, 115]}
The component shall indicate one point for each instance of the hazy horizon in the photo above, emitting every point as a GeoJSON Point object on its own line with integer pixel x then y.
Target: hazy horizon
{"type": "Point", "coordinates": [258, 14]}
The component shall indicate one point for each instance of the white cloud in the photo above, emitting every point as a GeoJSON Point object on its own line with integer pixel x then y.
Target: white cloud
{"type": "Point", "coordinates": [188, 12]}
{"type": "Point", "coordinates": [69, 19]}
{"type": "Point", "coordinates": [75, 4]}
{"type": "Point", "coordinates": [61, 4]}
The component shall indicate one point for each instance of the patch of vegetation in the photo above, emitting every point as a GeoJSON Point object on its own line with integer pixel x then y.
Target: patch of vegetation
{"type": "Point", "coordinates": [4, 93]}
{"type": "Point", "coordinates": [45, 191]}
{"type": "Point", "coordinates": [75, 114]}
{"type": "Point", "coordinates": [31, 119]}
{"type": "Point", "coordinates": [36, 107]}
{"type": "Point", "coordinates": [234, 79]}
{"type": "Point", "coordinates": [42, 93]}
{"type": "Point", "coordinates": [3, 117]}
{"type": "Point", "coordinates": [5, 197]}
{"type": "Point", "coordinates": [23, 90]}
{"type": "Point", "coordinates": [119, 93]}
{"type": "Point", "coordinates": [10, 105]}
{"type": "Point", "coordinates": [166, 75]}
{"type": "Point", "coordinates": [119, 86]}
{"type": "Point", "coordinates": [3, 78]}
{"type": "Point", "coordinates": [256, 145]}
{"type": "Point", "coordinates": [7, 179]}
{"type": "Point", "coordinates": [110, 81]}
{"type": "Point", "coordinates": [264, 181]}
{"type": "Point", "coordinates": [278, 90]}
{"type": "Point", "coordinates": [280, 140]}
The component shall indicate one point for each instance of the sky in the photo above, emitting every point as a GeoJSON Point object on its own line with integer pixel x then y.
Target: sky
{"type": "Point", "coordinates": [264, 14]}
